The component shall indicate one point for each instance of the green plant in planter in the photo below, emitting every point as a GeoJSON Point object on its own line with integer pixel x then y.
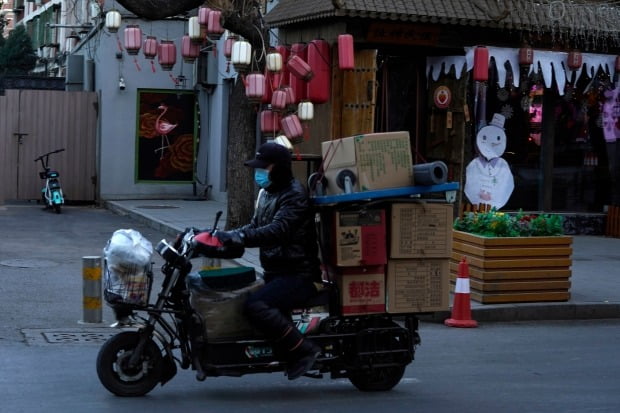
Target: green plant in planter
{"type": "Point", "coordinates": [500, 224]}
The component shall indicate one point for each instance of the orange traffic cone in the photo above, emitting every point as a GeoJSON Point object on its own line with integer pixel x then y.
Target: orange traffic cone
{"type": "Point", "coordinates": [461, 311]}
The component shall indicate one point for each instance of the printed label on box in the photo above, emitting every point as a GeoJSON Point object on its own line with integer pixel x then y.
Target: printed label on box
{"type": "Point", "coordinates": [421, 231]}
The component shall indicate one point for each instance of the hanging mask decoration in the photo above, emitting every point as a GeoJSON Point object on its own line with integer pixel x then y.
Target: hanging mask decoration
{"type": "Point", "coordinates": [261, 177]}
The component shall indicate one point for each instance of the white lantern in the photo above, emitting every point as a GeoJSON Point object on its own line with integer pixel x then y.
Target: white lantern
{"type": "Point", "coordinates": [274, 62]}
{"type": "Point", "coordinates": [284, 141]}
{"type": "Point", "coordinates": [113, 21]}
{"type": "Point", "coordinates": [193, 29]}
{"type": "Point", "coordinates": [305, 111]}
{"type": "Point", "coordinates": [241, 55]}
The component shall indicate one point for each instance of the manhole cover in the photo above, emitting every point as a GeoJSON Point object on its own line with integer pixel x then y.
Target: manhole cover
{"type": "Point", "coordinates": [48, 336]}
{"type": "Point", "coordinates": [28, 263]}
{"type": "Point", "coordinates": [157, 207]}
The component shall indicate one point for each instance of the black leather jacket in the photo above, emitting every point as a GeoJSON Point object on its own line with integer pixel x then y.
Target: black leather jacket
{"type": "Point", "coordinates": [283, 228]}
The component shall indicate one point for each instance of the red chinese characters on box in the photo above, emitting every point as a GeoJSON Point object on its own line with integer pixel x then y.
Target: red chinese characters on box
{"type": "Point", "coordinates": [362, 289]}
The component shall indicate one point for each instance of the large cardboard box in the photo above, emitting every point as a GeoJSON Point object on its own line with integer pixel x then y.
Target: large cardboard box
{"type": "Point", "coordinates": [378, 160]}
{"type": "Point", "coordinates": [421, 230]}
{"type": "Point", "coordinates": [359, 237]}
{"type": "Point", "coordinates": [418, 285]}
{"type": "Point", "coordinates": [362, 289]}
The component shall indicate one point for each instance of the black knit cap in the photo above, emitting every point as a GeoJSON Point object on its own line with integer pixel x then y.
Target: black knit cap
{"type": "Point", "coordinates": [270, 153]}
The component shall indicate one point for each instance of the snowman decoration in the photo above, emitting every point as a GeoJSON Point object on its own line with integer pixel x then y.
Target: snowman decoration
{"type": "Point", "coordinates": [488, 179]}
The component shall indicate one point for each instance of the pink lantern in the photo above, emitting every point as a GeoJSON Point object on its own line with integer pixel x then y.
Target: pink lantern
{"type": "Point", "coordinates": [228, 46]}
{"type": "Point", "coordinates": [278, 100]}
{"type": "Point", "coordinates": [526, 56]}
{"type": "Point", "coordinates": [167, 54]}
{"type": "Point", "coordinates": [481, 64]}
{"type": "Point", "coordinates": [299, 68]}
{"type": "Point", "coordinates": [214, 26]}
{"type": "Point", "coordinates": [346, 56]}
{"type": "Point", "coordinates": [272, 81]}
{"type": "Point", "coordinates": [189, 50]}
{"type": "Point", "coordinates": [203, 15]}
{"type": "Point", "coordinates": [574, 60]}
{"type": "Point", "coordinates": [298, 54]}
{"type": "Point", "coordinates": [291, 100]}
{"type": "Point", "coordinates": [269, 121]}
{"type": "Point", "coordinates": [292, 128]}
{"type": "Point", "coordinates": [150, 47]}
{"type": "Point", "coordinates": [255, 87]}
{"type": "Point", "coordinates": [133, 39]}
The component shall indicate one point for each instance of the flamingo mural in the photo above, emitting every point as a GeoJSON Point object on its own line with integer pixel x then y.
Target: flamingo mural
{"type": "Point", "coordinates": [163, 128]}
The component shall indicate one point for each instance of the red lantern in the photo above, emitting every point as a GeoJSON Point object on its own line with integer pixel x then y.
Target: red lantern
{"type": "Point", "coordinates": [272, 81]}
{"type": "Point", "coordinates": [481, 64]}
{"type": "Point", "coordinates": [284, 51]}
{"type": "Point", "coordinates": [291, 99]}
{"type": "Point", "coordinates": [526, 56]}
{"type": "Point", "coordinates": [189, 50]}
{"type": "Point", "coordinates": [150, 47]}
{"type": "Point", "coordinates": [292, 128]}
{"type": "Point", "coordinates": [203, 15]}
{"type": "Point", "coordinates": [319, 58]}
{"type": "Point", "coordinates": [167, 54]}
{"type": "Point", "coordinates": [269, 121]}
{"type": "Point", "coordinates": [255, 87]}
{"type": "Point", "coordinates": [297, 69]}
{"type": "Point", "coordinates": [574, 60]}
{"type": "Point", "coordinates": [278, 100]}
{"type": "Point", "coordinates": [133, 39]}
{"type": "Point", "coordinates": [228, 45]}
{"type": "Point", "coordinates": [214, 26]}
{"type": "Point", "coordinates": [346, 59]}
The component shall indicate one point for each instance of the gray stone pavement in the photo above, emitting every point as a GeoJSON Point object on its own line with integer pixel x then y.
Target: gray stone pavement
{"type": "Point", "coordinates": [595, 289]}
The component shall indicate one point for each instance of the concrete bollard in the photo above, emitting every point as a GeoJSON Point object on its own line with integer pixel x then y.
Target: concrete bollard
{"type": "Point", "coordinates": [91, 290]}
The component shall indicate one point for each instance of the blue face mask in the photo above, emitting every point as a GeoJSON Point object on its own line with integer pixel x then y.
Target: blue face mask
{"type": "Point", "coordinates": [261, 176]}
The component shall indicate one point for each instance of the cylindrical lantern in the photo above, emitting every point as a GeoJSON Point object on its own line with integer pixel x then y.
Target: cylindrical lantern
{"type": "Point", "coordinates": [318, 89]}
{"type": "Point", "coordinates": [526, 56]}
{"type": "Point", "coordinates": [278, 100]}
{"type": "Point", "coordinates": [269, 121]}
{"type": "Point", "coordinates": [112, 21]}
{"type": "Point", "coordinates": [167, 54]}
{"type": "Point", "coordinates": [291, 99]}
{"type": "Point", "coordinates": [133, 39]}
{"type": "Point", "coordinates": [299, 53]}
{"type": "Point", "coordinates": [255, 87]}
{"type": "Point", "coordinates": [299, 68]}
{"type": "Point", "coordinates": [228, 46]}
{"type": "Point", "coordinates": [274, 61]}
{"type": "Point", "coordinates": [241, 56]}
{"type": "Point", "coordinates": [284, 141]}
{"type": "Point", "coordinates": [292, 128]}
{"type": "Point", "coordinates": [203, 15]}
{"type": "Point", "coordinates": [194, 30]}
{"type": "Point", "coordinates": [574, 60]}
{"type": "Point", "coordinates": [189, 50]}
{"type": "Point", "coordinates": [150, 47]}
{"type": "Point", "coordinates": [305, 111]}
{"type": "Point", "coordinates": [284, 51]}
{"type": "Point", "coordinates": [214, 26]}
{"type": "Point", "coordinates": [346, 56]}
{"type": "Point", "coordinates": [481, 64]}
{"type": "Point", "coordinates": [272, 81]}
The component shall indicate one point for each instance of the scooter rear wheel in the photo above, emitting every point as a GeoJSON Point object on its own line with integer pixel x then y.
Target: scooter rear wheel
{"type": "Point", "coordinates": [57, 208]}
{"type": "Point", "coordinates": [378, 379]}
{"type": "Point", "coordinates": [116, 375]}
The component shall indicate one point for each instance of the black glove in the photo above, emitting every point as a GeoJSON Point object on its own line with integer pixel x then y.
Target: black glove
{"type": "Point", "coordinates": [232, 238]}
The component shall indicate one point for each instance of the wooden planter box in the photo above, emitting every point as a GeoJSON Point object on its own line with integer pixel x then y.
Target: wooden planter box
{"type": "Point", "coordinates": [515, 269]}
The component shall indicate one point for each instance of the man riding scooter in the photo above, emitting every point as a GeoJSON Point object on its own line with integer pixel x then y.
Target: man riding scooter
{"type": "Point", "coordinates": [283, 228]}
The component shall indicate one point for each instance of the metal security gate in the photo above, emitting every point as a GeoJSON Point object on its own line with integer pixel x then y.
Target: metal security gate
{"type": "Point", "coordinates": [34, 122]}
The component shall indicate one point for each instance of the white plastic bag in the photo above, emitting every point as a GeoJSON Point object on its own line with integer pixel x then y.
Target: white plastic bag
{"type": "Point", "coordinates": [127, 251]}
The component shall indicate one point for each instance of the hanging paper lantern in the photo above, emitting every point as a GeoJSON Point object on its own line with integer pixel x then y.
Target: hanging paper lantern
{"type": "Point", "coordinates": [269, 122]}
{"type": "Point", "coordinates": [299, 68]}
{"type": "Point", "coordinates": [297, 58]}
{"type": "Point", "coordinates": [481, 64]}
{"type": "Point", "coordinates": [189, 50]}
{"type": "Point", "coordinates": [133, 39]}
{"type": "Point", "coordinates": [291, 99]}
{"type": "Point", "coordinates": [526, 56]}
{"type": "Point", "coordinates": [285, 52]}
{"type": "Point", "coordinates": [346, 55]}
{"type": "Point", "coordinates": [278, 100]}
{"type": "Point", "coordinates": [284, 141]}
{"type": "Point", "coordinates": [150, 47]}
{"type": "Point", "coordinates": [194, 30]}
{"type": "Point", "coordinates": [318, 89]}
{"type": "Point", "coordinates": [112, 21]}
{"type": "Point", "coordinates": [214, 25]}
{"type": "Point", "coordinates": [203, 15]}
{"type": "Point", "coordinates": [167, 54]}
{"type": "Point", "coordinates": [241, 56]}
{"type": "Point", "coordinates": [274, 61]}
{"type": "Point", "coordinates": [272, 82]}
{"type": "Point", "coordinates": [292, 128]}
{"type": "Point", "coordinates": [574, 60]}
{"type": "Point", "coordinates": [228, 45]}
{"type": "Point", "coordinates": [255, 87]}
{"type": "Point", "coordinates": [305, 111]}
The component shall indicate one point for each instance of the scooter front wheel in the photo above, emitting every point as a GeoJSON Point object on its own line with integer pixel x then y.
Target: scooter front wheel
{"type": "Point", "coordinates": [113, 365]}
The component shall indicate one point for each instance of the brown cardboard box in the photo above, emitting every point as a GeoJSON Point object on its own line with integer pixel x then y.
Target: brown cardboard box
{"type": "Point", "coordinates": [359, 237]}
{"type": "Point", "coordinates": [421, 230]}
{"type": "Point", "coordinates": [362, 289]}
{"type": "Point", "coordinates": [338, 155]}
{"type": "Point", "coordinates": [418, 285]}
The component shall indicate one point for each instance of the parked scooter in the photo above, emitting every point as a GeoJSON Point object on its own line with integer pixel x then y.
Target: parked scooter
{"type": "Point", "coordinates": [372, 350]}
{"type": "Point", "coordinates": [51, 193]}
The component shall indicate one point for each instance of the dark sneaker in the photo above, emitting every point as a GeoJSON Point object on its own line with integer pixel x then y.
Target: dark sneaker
{"type": "Point", "coordinates": [301, 366]}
